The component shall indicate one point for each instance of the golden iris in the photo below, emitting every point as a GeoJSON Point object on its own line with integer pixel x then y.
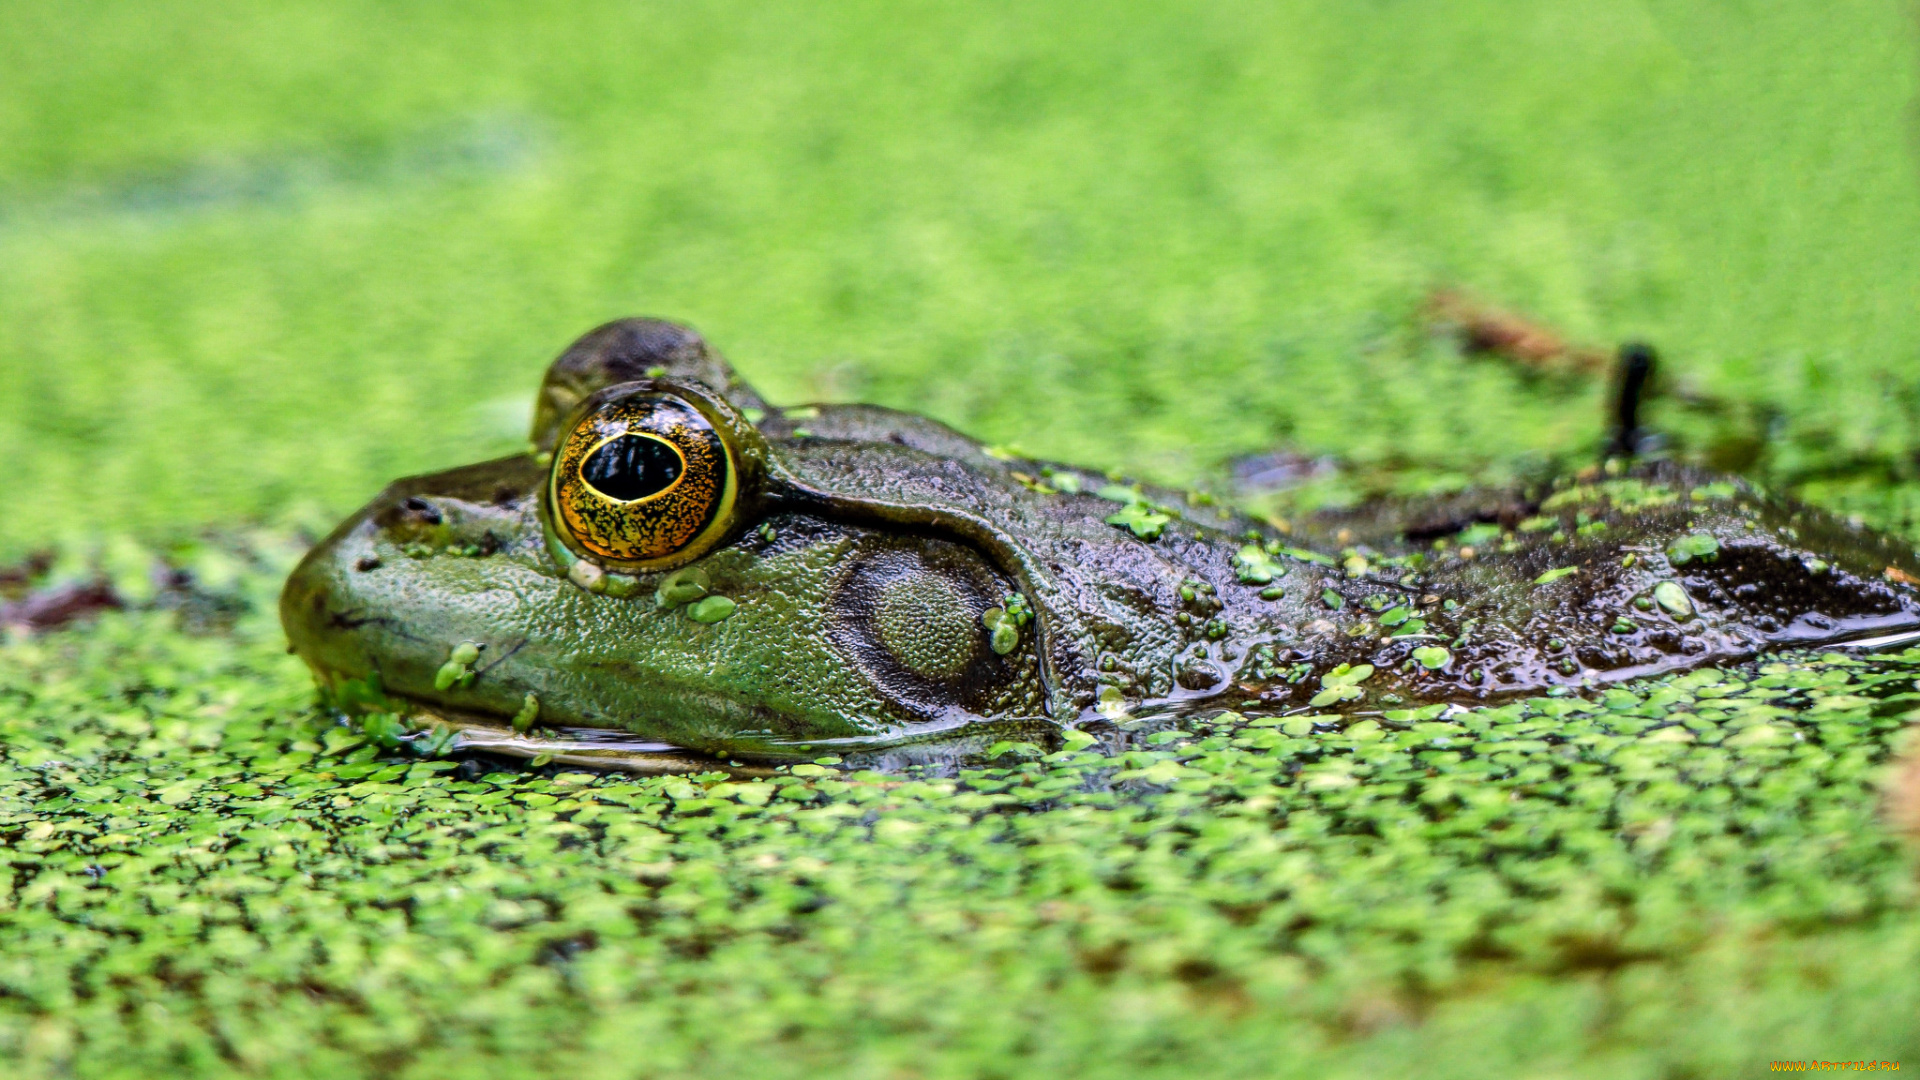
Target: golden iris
{"type": "Point", "coordinates": [643, 482]}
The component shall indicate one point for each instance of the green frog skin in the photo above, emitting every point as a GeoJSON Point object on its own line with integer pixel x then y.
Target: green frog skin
{"type": "Point", "coordinates": [769, 585]}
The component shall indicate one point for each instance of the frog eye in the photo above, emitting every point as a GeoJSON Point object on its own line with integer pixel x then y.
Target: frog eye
{"type": "Point", "coordinates": [644, 480]}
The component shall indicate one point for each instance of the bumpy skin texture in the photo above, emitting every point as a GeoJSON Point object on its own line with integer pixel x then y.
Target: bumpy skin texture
{"type": "Point", "coordinates": [863, 563]}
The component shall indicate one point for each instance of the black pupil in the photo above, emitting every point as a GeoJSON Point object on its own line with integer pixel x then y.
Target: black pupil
{"type": "Point", "coordinates": [631, 467]}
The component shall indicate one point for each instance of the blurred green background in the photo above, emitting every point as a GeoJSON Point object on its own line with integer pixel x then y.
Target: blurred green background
{"type": "Point", "coordinates": [256, 260]}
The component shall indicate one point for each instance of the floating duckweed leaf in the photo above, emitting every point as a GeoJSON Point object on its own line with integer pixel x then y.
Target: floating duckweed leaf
{"type": "Point", "coordinates": [1411, 626]}
{"type": "Point", "coordinates": [1140, 519]}
{"type": "Point", "coordinates": [1626, 495]}
{"type": "Point", "coordinates": [1433, 657]}
{"type": "Point", "coordinates": [1757, 735]}
{"type": "Point", "coordinates": [1017, 609]}
{"type": "Point", "coordinates": [1031, 483]}
{"type": "Point", "coordinates": [1555, 574]}
{"type": "Point", "coordinates": [1068, 482]}
{"type": "Point", "coordinates": [523, 720]}
{"type": "Point", "coordinates": [1395, 615]}
{"type": "Point", "coordinates": [339, 740]}
{"type": "Point", "coordinates": [452, 674]}
{"type": "Point", "coordinates": [1332, 599]}
{"type": "Point", "coordinates": [1303, 555]}
{"type": "Point", "coordinates": [1670, 596]}
{"type": "Point", "coordinates": [1004, 623]}
{"type": "Point", "coordinates": [1696, 545]}
{"type": "Point", "coordinates": [382, 729]}
{"type": "Point", "coordinates": [1347, 675]}
{"type": "Point", "coordinates": [1013, 747]}
{"type": "Point", "coordinates": [1005, 637]}
{"type": "Point", "coordinates": [174, 794]}
{"type": "Point", "coordinates": [712, 609]}
{"type": "Point", "coordinates": [1255, 567]}
{"type": "Point", "coordinates": [1075, 739]}
{"type": "Point", "coordinates": [1161, 772]}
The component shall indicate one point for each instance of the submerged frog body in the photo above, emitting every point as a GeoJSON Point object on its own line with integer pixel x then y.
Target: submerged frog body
{"type": "Point", "coordinates": [679, 563]}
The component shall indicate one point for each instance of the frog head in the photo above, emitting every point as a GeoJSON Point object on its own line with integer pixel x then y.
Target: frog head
{"type": "Point", "coordinates": [675, 560]}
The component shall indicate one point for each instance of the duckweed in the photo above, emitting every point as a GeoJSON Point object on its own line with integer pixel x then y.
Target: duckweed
{"type": "Point", "coordinates": [209, 875]}
{"type": "Point", "coordinates": [1696, 545]}
{"type": "Point", "coordinates": [523, 720]}
{"type": "Point", "coordinates": [683, 586]}
{"type": "Point", "coordinates": [458, 670]}
{"type": "Point", "coordinates": [1141, 519]}
{"type": "Point", "coordinates": [712, 609]}
{"type": "Point", "coordinates": [1255, 566]}
{"type": "Point", "coordinates": [1673, 599]}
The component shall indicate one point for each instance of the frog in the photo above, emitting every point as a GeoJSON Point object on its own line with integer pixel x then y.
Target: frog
{"type": "Point", "coordinates": [676, 571]}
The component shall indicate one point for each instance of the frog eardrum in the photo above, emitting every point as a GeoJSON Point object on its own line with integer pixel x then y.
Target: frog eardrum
{"type": "Point", "coordinates": [648, 476]}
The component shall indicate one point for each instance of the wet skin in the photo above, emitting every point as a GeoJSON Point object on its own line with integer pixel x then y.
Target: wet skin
{"type": "Point", "coordinates": [870, 566]}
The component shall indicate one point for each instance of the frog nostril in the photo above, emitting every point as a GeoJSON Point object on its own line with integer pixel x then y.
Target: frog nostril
{"type": "Point", "coordinates": [420, 510]}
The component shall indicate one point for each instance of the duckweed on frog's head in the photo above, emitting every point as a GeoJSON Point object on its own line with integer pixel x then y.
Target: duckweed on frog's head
{"type": "Point", "coordinates": [659, 564]}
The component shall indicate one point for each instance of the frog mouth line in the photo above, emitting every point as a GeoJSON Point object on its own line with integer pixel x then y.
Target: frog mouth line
{"type": "Point", "coordinates": [613, 749]}
{"type": "Point", "coordinates": [1882, 643]}
{"type": "Point", "coordinates": [594, 748]}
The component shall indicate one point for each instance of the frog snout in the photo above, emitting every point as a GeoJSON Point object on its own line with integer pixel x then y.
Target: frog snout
{"type": "Point", "coordinates": [322, 609]}
{"type": "Point", "coordinates": [370, 595]}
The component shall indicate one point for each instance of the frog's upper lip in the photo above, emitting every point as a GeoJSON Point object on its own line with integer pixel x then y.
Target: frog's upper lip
{"type": "Point", "coordinates": [596, 748]}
